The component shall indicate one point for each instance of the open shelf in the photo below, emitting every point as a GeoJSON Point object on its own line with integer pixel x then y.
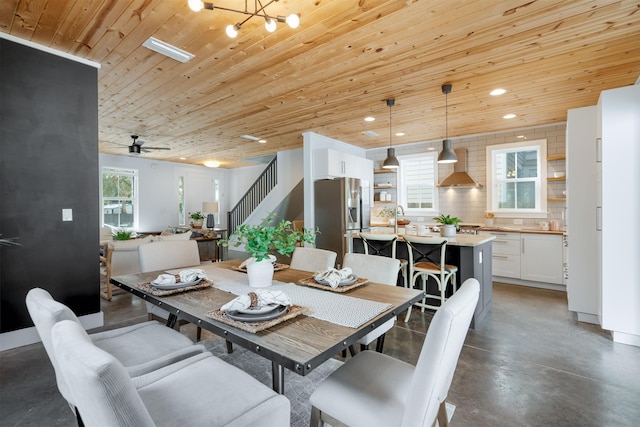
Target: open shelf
{"type": "Point", "coordinates": [557, 157]}
{"type": "Point", "coordinates": [557, 199]}
{"type": "Point", "coordinates": [385, 171]}
{"type": "Point", "coordinates": [562, 178]}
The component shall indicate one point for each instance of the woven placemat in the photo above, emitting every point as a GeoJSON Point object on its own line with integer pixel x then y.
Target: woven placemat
{"type": "Point", "coordinates": [146, 287]}
{"type": "Point", "coordinates": [311, 282]}
{"type": "Point", "coordinates": [276, 267]}
{"type": "Point", "coordinates": [253, 327]}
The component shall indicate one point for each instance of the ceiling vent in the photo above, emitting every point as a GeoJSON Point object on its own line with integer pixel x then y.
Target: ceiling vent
{"type": "Point", "coordinates": [459, 177]}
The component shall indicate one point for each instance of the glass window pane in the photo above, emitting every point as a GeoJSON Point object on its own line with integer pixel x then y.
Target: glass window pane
{"type": "Point", "coordinates": [109, 185]}
{"type": "Point", "coordinates": [527, 164]}
{"type": "Point", "coordinates": [526, 195]}
{"type": "Point", "coordinates": [506, 195]}
{"type": "Point", "coordinates": [125, 186]}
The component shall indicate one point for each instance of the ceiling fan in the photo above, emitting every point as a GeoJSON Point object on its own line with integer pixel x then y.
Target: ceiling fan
{"type": "Point", "coordinates": [136, 147]}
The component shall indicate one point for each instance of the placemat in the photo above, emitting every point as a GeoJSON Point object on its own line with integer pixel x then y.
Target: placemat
{"type": "Point", "coordinates": [311, 282]}
{"type": "Point", "coordinates": [276, 267]}
{"type": "Point", "coordinates": [146, 287]}
{"type": "Point", "coordinates": [253, 327]}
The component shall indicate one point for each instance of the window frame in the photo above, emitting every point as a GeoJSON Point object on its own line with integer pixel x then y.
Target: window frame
{"type": "Point", "coordinates": [401, 188]}
{"type": "Point", "coordinates": [134, 200]}
{"type": "Point", "coordinates": [492, 204]}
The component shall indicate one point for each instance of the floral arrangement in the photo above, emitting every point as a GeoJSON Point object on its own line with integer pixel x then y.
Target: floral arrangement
{"type": "Point", "coordinates": [262, 240]}
{"type": "Point", "coordinates": [447, 220]}
{"type": "Point", "coordinates": [197, 215]}
{"type": "Point", "coordinates": [122, 234]}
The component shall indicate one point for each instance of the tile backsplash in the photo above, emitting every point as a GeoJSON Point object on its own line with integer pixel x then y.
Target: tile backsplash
{"type": "Point", "coordinates": [469, 204]}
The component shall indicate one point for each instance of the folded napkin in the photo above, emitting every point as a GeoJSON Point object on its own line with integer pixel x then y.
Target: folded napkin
{"type": "Point", "coordinates": [192, 275]}
{"type": "Point", "coordinates": [252, 259]}
{"type": "Point", "coordinates": [261, 297]}
{"type": "Point", "coordinates": [333, 276]}
{"type": "Point", "coordinates": [165, 279]}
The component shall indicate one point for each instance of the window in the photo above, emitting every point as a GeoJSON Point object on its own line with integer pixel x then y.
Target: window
{"type": "Point", "coordinates": [181, 215]}
{"type": "Point", "coordinates": [417, 191]}
{"type": "Point", "coordinates": [119, 197]}
{"type": "Point", "coordinates": [516, 179]}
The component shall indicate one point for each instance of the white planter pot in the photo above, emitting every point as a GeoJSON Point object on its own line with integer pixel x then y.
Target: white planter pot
{"type": "Point", "coordinates": [260, 273]}
{"type": "Point", "coordinates": [448, 230]}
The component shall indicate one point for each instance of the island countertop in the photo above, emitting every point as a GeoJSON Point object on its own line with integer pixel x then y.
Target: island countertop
{"type": "Point", "coordinates": [460, 239]}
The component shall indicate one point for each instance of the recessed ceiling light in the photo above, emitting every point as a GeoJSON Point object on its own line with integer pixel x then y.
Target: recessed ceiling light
{"type": "Point", "coordinates": [509, 116]}
{"type": "Point", "coordinates": [183, 158]}
{"type": "Point", "coordinates": [262, 141]}
{"type": "Point", "coordinates": [251, 137]}
{"type": "Point", "coordinates": [369, 119]}
{"type": "Point", "coordinates": [521, 137]}
{"type": "Point", "coordinates": [370, 133]}
{"type": "Point", "coordinates": [212, 164]}
{"type": "Point", "coordinates": [497, 92]}
{"type": "Point", "coordinates": [400, 134]}
{"type": "Point", "coordinates": [167, 50]}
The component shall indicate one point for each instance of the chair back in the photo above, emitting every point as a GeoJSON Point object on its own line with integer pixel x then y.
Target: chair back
{"type": "Point", "coordinates": [376, 243]}
{"type": "Point", "coordinates": [103, 391]}
{"type": "Point", "coordinates": [168, 254]}
{"type": "Point", "coordinates": [378, 269]}
{"type": "Point", "coordinates": [122, 256]}
{"type": "Point", "coordinates": [435, 255]}
{"type": "Point", "coordinates": [439, 356]}
{"type": "Point", "coordinates": [312, 259]}
{"type": "Point", "coordinates": [45, 312]}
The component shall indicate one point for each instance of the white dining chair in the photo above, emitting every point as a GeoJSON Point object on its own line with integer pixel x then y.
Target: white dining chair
{"type": "Point", "coordinates": [199, 391]}
{"type": "Point", "coordinates": [427, 261]}
{"type": "Point", "coordinates": [140, 348]}
{"type": "Point", "coordinates": [378, 269]}
{"type": "Point", "coordinates": [376, 243]}
{"type": "Point", "coordinates": [168, 255]}
{"type": "Point", "coordinates": [312, 259]}
{"type": "Point", "coordinates": [376, 390]}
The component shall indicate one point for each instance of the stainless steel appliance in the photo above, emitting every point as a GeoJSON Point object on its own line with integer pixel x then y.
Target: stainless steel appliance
{"type": "Point", "coordinates": [340, 208]}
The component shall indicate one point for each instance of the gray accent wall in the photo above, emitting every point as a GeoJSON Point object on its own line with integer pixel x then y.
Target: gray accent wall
{"type": "Point", "coordinates": [48, 162]}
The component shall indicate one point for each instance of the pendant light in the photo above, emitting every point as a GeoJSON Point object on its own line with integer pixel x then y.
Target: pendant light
{"type": "Point", "coordinates": [447, 154]}
{"type": "Point", "coordinates": [391, 162]}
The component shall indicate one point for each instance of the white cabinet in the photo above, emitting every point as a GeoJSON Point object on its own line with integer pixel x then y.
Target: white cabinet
{"type": "Point", "coordinates": [328, 163]}
{"type": "Point", "coordinates": [527, 256]}
{"type": "Point", "coordinates": [541, 258]}
{"type": "Point", "coordinates": [505, 254]}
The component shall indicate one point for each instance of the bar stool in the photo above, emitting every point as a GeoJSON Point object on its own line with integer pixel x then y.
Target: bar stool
{"type": "Point", "coordinates": [376, 243]}
{"type": "Point", "coordinates": [430, 262]}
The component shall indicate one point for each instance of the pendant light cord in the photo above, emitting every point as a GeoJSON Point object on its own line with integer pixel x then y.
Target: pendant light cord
{"type": "Point", "coordinates": [390, 133]}
{"type": "Point", "coordinates": [446, 116]}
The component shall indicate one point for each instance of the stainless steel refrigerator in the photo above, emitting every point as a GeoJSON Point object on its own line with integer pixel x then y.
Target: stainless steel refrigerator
{"type": "Point", "coordinates": [341, 206]}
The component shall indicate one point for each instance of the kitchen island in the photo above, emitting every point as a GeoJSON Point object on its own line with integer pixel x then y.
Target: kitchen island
{"type": "Point", "coordinates": [469, 252]}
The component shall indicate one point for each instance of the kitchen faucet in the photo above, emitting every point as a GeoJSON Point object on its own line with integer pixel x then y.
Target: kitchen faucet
{"type": "Point", "coordinates": [395, 223]}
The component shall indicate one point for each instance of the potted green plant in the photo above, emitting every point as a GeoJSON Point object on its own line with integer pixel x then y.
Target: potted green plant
{"type": "Point", "coordinates": [262, 241]}
{"type": "Point", "coordinates": [449, 225]}
{"type": "Point", "coordinates": [122, 234]}
{"type": "Point", "coordinates": [197, 219]}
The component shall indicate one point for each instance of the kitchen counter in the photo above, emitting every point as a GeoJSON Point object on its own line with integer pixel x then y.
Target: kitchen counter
{"type": "Point", "coordinates": [521, 230]}
{"type": "Point", "coordinates": [470, 252]}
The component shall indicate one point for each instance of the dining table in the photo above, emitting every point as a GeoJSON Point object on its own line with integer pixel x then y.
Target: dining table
{"type": "Point", "coordinates": [327, 322]}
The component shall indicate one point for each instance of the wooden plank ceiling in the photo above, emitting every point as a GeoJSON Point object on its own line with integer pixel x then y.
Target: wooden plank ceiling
{"type": "Point", "coordinates": [339, 66]}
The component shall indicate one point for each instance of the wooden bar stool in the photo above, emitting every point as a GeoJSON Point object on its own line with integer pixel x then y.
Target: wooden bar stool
{"type": "Point", "coordinates": [376, 243]}
{"type": "Point", "coordinates": [430, 262]}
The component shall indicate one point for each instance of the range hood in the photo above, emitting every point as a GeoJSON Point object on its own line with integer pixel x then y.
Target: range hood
{"type": "Point", "coordinates": [459, 177]}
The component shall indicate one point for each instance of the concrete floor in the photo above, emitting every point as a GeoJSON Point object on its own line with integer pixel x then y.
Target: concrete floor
{"type": "Point", "coordinates": [530, 363]}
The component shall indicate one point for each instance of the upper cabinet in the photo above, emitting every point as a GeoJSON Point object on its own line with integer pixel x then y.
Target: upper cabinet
{"type": "Point", "coordinates": [328, 163]}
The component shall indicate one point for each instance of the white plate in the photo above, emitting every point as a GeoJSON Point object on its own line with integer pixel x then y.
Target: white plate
{"type": "Point", "coordinates": [344, 282]}
{"type": "Point", "coordinates": [243, 317]}
{"type": "Point", "coordinates": [175, 285]}
{"type": "Point", "coordinates": [259, 310]}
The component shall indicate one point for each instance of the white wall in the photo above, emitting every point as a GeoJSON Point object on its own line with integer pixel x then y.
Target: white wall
{"type": "Point", "coordinates": [158, 189]}
{"type": "Point", "coordinates": [313, 141]}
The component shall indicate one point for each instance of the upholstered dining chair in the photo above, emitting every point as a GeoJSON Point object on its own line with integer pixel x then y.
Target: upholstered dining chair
{"type": "Point", "coordinates": [167, 255]}
{"type": "Point", "coordinates": [198, 391]}
{"type": "Point", "coordinates": [376, 243]}
{"type": "Point", "coordinates": [430, 262]}
{"type": "Point", "coordinates": [379, 269]}
{"type": "Point", "coordinates": [122, 258]}
{"type": "Point", "coordinates": [140, 348]}
{"type": "Point", "coordinates": [312, 259]}
{"type": "Point", "coordinates": [376, 390]}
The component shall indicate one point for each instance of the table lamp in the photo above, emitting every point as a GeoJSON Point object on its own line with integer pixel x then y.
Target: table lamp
{"type": "Point", "coordinates": [211, 208]}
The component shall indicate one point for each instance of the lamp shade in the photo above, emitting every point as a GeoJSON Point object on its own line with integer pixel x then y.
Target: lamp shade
{"type": "Point", "coordinates": [210, 207]}
{"type": "Point", "coordinates": [447, 155]}
{"type": "Point", "coordinates": [391, 162]}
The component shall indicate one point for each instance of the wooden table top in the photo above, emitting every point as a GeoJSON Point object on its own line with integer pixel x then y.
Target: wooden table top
{"type": "Point", "coordinates": [300, 344]}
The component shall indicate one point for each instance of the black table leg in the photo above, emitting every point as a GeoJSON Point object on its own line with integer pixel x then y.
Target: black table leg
{"type": "Point", "coordinates": [277, 377]}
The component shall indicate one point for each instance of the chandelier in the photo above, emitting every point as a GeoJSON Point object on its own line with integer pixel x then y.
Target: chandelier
{"type": "Point", "coordinates": [270, 22]}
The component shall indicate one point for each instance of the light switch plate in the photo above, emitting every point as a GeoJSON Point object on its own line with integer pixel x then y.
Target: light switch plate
{"type": "Point", "coordinates": [67, 214]}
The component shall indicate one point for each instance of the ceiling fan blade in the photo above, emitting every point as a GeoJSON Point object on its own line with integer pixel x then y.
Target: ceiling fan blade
{"type": "Point", "coordinates": [157, 148]}
{"type": "Point", "coordinates": [117, 143]}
